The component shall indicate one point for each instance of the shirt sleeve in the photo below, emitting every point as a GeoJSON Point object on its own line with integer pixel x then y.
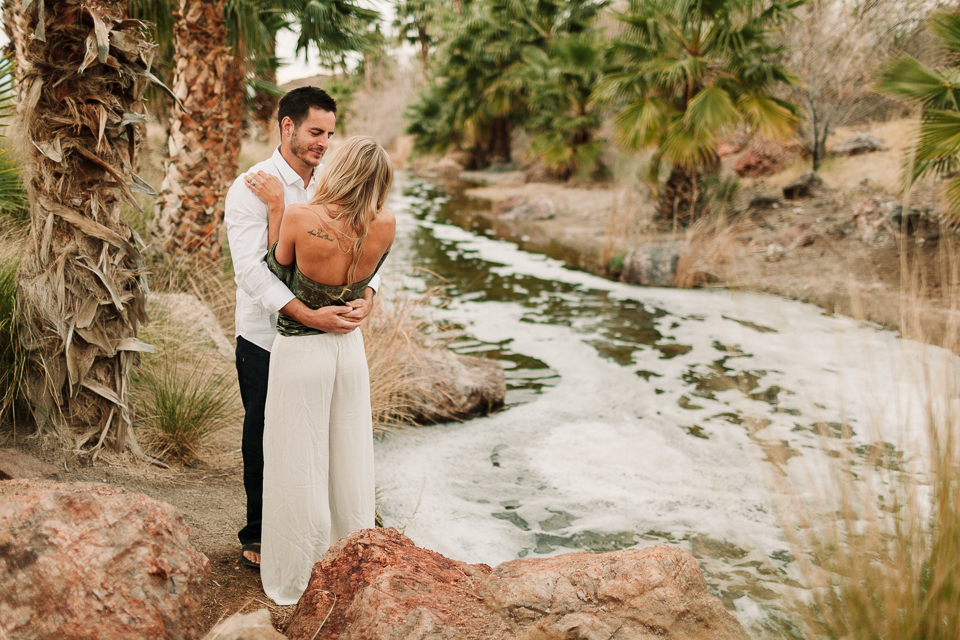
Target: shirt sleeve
{"type": "Point", "coordinates": [374, 283]}
{"type": "Point", "coordinates": [246, 218]}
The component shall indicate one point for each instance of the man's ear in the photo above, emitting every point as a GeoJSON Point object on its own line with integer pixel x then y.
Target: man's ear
{"type": "Point", "coordinates": [286, 126]}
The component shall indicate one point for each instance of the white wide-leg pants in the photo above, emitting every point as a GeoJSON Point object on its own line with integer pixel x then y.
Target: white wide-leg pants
{"type": "Point", "coordinates": [318, 482]}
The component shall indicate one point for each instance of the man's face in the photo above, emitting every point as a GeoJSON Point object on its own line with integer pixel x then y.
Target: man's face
{"type": "Point", "coordinates": [309, 141]}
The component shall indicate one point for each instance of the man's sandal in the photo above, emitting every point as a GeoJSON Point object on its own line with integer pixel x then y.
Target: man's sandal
{"type": "Point", "coordinates": [253, 546]}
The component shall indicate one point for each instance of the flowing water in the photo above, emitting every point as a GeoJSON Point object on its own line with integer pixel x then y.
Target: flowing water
{"type": "Point", "coordinates": [635, 416]}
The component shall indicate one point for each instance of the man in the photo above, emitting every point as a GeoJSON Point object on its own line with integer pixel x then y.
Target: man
{"type": "Point", "coordinates": [307, 119]}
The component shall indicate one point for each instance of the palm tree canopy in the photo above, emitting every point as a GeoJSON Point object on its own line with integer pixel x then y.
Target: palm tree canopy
{"type": "Point", "coordinates": [688, 71]}
{"type": "Point", "coordinates": [558, 84]}
{"type": "Point", "coordinates": [474, 84]}
{"type": "Point", "coordinates": [937, 93]}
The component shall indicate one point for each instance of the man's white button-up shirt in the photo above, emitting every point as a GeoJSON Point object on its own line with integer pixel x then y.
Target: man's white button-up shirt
{"type": "Point", "coordinates": [260, 294]}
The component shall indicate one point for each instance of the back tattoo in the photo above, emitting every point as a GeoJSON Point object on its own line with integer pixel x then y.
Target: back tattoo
{"type": "Point", "coordinates": [320, 233]}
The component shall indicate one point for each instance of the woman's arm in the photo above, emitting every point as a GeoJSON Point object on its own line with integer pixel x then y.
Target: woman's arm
{"type": "Point", "coordinates": [287, 233]}
{"type": "Point", "coordinates": [268, 188]}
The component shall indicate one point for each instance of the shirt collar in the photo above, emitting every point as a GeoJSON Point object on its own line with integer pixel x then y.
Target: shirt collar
{"type": "Point", "coordinates": [289, 175]}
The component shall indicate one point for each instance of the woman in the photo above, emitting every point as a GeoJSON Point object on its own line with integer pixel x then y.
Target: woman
{"type": "Point", "coordinates": [318, 482]}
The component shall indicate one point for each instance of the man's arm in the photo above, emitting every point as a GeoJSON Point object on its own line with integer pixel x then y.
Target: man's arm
{"type": "Point", "coordinates": [246, 219]}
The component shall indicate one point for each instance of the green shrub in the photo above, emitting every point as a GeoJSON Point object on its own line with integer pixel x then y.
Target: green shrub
{"type": "Point", "coordinates": [181, 401]}
{"type": "Point", "coordinates": [13, 197]}
{"type": "Point", "coordinates": [11, 354]}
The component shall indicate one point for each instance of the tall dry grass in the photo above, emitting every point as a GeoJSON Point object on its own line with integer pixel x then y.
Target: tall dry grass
{"type": "Point", "coordinates": [708, 245]}
{"type": "Point", "coordinates": [886, 563]}
{"type": "Point", "coordinates": [396, 335]}
{"type": "Point", "coordinates": [881, 550]}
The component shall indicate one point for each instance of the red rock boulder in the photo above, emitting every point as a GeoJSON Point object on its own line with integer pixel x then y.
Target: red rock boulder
{"type": "Point", "coordinates": [377, 584]}
{"type": "Point", "coordinates": [16, 465]}
{"type": "Point", "coordinates": [764, 158]}
{"type": "Point", "coordinates": [83, 560]}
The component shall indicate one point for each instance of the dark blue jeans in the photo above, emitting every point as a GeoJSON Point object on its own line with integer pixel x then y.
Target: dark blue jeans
{"type": "Point", "coordinates": [253, 371]}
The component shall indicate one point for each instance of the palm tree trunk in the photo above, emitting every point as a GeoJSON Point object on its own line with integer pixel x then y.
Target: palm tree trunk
{"type": "Point", "coordinates": [499, 144]}
{"type": "Point", "coordinates": [265, 104]}
{"type": "Point", "coordinates": [236, 105]}
{"type": "Point", "coordinates": [82, 285]}
{"type": "Point", "coordinates": [682, 196]}
{"type": "Point", "coordinates": [15, 28]}
{"type": "Point", "coordinates": [199, 167]}
{"type": "Point", "coordinates": [424, 40]}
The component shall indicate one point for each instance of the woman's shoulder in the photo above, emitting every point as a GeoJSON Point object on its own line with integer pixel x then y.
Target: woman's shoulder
{"type": "Point", "coordinates": [300, 216]}
{"type": "Point", "coordinates": [385, 219]}
{"type": "Point", "coordinates": [298, 211]}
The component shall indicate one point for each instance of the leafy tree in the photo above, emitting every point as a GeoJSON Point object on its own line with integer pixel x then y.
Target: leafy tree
{"type": "Point", "coordinates": [937, 92]}
{"type": "Point", "coordinates": [561, 116]}
{"type": "Point", "coordinates": [476, 99]}
{"type": "Point", "coordinates": [414, 22]}
{"type": "Point", "coordinates": [856, 37]}
{"type": "Point", "coordinates": [688, 71]}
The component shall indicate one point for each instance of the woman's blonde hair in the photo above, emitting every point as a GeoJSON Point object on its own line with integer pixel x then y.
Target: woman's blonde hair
{"type": "Point", "coordinates": [358, 179]}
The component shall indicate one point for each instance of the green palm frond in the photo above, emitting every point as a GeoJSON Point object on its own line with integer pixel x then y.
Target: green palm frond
{"type": "Point", "coordinates": [773, 118]}
{"type": "Point", "coordinates": [711, 111]}
{"type": "Point", "coordinates": [642, 124]}
{"type": "Point", "coordinates": [937, 92]}
{"type": "Point", "coordinates": [685, 146]}
{"type": "Point", "coordinates": [947, 27]}
{"type": "Point", "coordinates": [908, 78]}
{"type": "Point", "coordinates": [939, 135]}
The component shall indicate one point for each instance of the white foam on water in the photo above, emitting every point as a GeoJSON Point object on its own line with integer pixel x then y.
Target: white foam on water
{"type": "Point", "coordinates": [606, 456]}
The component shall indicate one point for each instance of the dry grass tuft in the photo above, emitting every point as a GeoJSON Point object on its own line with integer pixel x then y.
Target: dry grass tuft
{"type": "Point", "coordinates": [183, 394]}
{"type": "Point", "coordinates": [395, 335]}
{"type": "Point", "coordinates": [707, 247]}
{"type": "Point", "coordinates": [884, 565]}
{"type": "Point", "coordinates": [882, 556]}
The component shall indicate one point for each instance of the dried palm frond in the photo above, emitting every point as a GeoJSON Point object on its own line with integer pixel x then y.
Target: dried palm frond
{"type": "Point", "coordinates": [205, 138]}
{"type": "Point", "coordinates": [82, 285]}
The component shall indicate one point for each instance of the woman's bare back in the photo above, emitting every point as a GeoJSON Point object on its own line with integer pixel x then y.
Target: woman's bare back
{"type": "Point", "coordinates": [321, 247]}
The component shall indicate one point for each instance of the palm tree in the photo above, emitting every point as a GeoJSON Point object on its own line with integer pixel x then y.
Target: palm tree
{"type": "Point", "coordinates": [82, 283]}
{"type": "Point", "coordinates": [937, 92]}
{"type": "Point", "coordinates": [562, 117]}
{"type": "Point", "coordinates": [690, 70]}
{"type": "Point", "coordinates": [476, 100]}
{"type": "Point", "coordinates": [414, 24]}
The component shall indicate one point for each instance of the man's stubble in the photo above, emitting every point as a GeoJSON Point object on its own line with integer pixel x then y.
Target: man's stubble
{"type": "Point", "coordinates": [302, 152]}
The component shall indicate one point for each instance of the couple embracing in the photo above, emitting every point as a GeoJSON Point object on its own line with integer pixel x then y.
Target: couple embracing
{"type": "Point", "coordinates": [306, 244]}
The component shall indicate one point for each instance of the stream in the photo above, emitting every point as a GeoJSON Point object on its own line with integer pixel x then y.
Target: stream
{"type": "Point", "coordinates": [635, 416]}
